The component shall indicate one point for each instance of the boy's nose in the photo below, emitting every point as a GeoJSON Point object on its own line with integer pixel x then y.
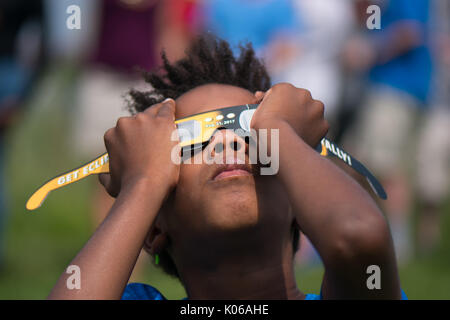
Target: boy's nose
{"type": "Point", "coordinates": [226, 143]}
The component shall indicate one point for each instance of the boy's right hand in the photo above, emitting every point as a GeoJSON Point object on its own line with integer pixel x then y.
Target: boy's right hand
{"type": "Point", "coordinates": [294, 106]}
{"type": "Point", "coordinates": [140, 149]}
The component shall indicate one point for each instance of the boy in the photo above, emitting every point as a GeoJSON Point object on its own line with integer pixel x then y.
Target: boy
{"type": "Point", "coordinates": [225, 230]}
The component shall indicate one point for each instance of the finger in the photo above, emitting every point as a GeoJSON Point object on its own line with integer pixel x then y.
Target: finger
{"type": "Point", "coordinates": [266, 94]}
{"type": "Point", "coordinates": [105, 180]}
{"type": "Point", "coordinates": [121, 122]}
{"type": "Point", "coordinates": [319, 107]}
{"type": "Point", "coordinates": [259, 95]}
{"type": "Point", "coordinates": [108, 137]}
{"type": "Point", "coordinates": [154, 109]}
{"type": "Point", "coordinates": [167, 109]}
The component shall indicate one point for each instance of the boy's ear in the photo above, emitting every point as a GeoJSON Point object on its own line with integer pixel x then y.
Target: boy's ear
{"type": "Point", "coordinates": [157, 238]}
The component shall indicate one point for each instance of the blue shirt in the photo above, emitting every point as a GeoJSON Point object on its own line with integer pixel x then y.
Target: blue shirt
{"type": "Point", "coordinates": [410, 72]}
{"type": "Point", "coordinates": [141, 291]}
{"type": "Point", "coordinates": [238, 21]}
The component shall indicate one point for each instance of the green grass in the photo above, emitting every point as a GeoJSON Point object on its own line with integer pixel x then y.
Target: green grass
{"type": "Point", "coordinates": [41, 243]}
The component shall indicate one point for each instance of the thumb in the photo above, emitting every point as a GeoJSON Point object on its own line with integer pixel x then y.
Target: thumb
{"type": "Point", "coordinates": [105, 181]}
{"type": "Point", "coordinates": [167, 109]}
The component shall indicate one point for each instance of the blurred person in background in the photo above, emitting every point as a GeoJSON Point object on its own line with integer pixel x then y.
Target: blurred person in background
{"type": "Point", "coordinates": [433, 169]}
{"type": "Point", "coordinates": [354, 82]}
{"type": "Point", "coordinates": [323, 28]}
{"type": "Point", "coordinates": [20, 54]}
{"type": "Point", "coordinates": [123, 43]}
{"type": "Point", "coordinates": [270, 25]}
{"type": "Point", "coordinates": [398, 61]}
{"type": "Point", "coordinates": [118, 39]}
{"type": "Point", "coordinates": [179, 21]}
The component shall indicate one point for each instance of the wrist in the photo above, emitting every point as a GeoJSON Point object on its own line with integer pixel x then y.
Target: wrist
{"type": "Point", "coordinates": [267, 130]}
{"type": "Point", "coordinates": [269, 123]}
{"type": "Point", "coordinates": [144, 184]}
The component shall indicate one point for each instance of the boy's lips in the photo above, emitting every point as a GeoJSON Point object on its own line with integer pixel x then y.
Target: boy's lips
{"type": "Point", "coordinates": [231, 170]}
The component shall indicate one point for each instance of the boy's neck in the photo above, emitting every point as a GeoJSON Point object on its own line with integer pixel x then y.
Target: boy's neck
{"type": "Point", "coordinates": [247, 277]}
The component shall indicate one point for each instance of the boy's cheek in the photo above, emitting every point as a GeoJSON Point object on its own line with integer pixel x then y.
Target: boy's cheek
{"type": "Point", "coordinates": [194, 173]}
{"type": "Point", "coordinates": [190, 185]}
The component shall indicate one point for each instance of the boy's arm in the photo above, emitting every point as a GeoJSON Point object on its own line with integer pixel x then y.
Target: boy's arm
{"type": "Point", "coordinates": [335, 213]}
{"type": "Point", "coordinates": [108, 258]}
{"type": "Point", "coordinates": [341, 220]}
{"type": "Point", "coordinates": [141, 176]}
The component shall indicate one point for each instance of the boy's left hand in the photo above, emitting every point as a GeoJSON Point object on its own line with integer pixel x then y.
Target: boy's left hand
{"type": "Point", "coordinates": [286, 103]}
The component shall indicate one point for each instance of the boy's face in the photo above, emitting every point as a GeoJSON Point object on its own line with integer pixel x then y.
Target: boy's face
{"type": "Point", "coordinates": [207, 206]}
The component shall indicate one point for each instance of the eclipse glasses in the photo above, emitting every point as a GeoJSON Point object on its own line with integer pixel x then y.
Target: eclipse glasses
{"type": "Point", "coordinates": [194, 133]}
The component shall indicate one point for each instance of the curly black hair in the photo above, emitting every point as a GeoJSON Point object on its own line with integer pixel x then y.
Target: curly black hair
{"type": "Point", "coordinates": [207, 60]}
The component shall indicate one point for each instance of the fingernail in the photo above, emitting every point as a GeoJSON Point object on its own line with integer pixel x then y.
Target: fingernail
{"type": "Point", "coordinates": [169, 100]}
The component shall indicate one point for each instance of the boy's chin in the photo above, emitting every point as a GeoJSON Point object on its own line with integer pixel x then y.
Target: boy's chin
{"type": "Point", "coordinates": [241, 213]}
